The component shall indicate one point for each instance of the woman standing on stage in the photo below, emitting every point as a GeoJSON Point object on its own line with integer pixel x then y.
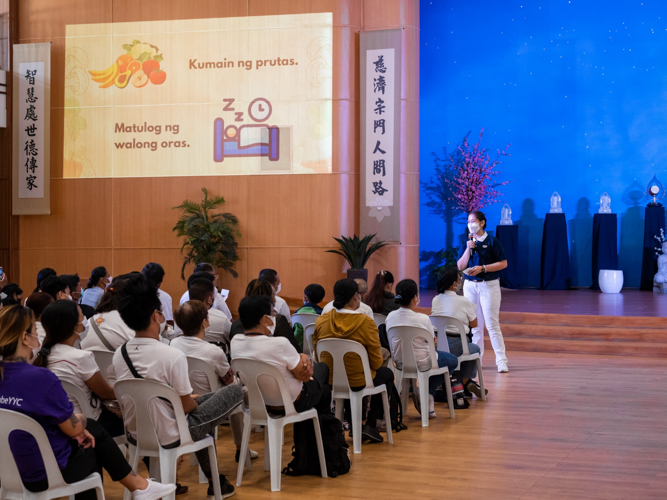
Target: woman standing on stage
{"type": "Point", "coordinates": [484, 256]}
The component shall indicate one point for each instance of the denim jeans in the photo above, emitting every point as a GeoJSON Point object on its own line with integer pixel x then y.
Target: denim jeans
{"type": "Point", "coordinates": [468, 368]}
{"type": "Point", "coordinates": [444, 359]}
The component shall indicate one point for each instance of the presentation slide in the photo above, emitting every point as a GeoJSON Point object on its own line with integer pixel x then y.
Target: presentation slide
{"type": "Point", "coordinates": [229, 96]}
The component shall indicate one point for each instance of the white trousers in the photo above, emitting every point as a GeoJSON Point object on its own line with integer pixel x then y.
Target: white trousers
{"type": "Point", "coordinates": [486, 297]}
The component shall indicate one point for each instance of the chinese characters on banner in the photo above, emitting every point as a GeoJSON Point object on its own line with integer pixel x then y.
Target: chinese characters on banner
{"type": "Point", "coordinates": [380, 124]}
{"type": "Point", "coordinates": [31, 122]}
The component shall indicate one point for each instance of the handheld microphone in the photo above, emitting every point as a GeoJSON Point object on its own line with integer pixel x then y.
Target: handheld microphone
{"type": "Point", "coordinates": [472, 238]}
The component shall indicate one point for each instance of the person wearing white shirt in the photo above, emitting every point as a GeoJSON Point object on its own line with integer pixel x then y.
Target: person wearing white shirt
{"type": "Point", "coordinates": [448, 303]}
{"type": "Point", "coordinates": [97, 284]}
{"type": "Point", "coordinates": [363, 309]}
{"type": "Point", "coordinates": [407, 296]}
{"type": "Point", "coordinates": [154, 273]}
{"type": "Point", "coordinates": [63, 322]}
{"type": "Point", "coordinates": [220, 302]}
{"type": "Point", "coordinates": [271, 275]}
{"type": "Point", "coordinates": [146, 357]}
{"type": "Point", "coordinates": [202, 289]}
{"type": "Point", "coordinates": [192, 320]}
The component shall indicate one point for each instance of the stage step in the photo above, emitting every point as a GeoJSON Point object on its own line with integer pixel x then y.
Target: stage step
{"type": "Point", "coordinates": [583, 332]}
{"type": "Point", "coordinates": [644, 349]}
{"type": "Point", "coordinates": [583, 319]}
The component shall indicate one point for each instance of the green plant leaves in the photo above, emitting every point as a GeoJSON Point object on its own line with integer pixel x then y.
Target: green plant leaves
{"type": "Point", "coordinates": [357, 251]}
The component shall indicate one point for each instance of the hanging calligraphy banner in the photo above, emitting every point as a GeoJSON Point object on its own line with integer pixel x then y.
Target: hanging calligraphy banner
{"type": "Point", "coordinates": [31, 120]}
{"type": "Point", "coordinates": [380, 65]}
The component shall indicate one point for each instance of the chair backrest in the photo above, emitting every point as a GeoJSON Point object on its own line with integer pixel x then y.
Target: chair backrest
{"type": "Point", "coordinates": [104, 359]}
{"type": "Point", "coordinates": [307, 320]}
{"type": "Point", "coordinates": [77, 393]}
{"type": "Point", "coordinates": [250, 371]}
{"type": "Point", "coordinates": [9, 474]}
{"type": "Point", "coordinates": [379, 319]}
{"type": "Point", "coordinates": [337, 349]}
{"type": "Point", "coordinates": [442, 322]}
{"type": "Point", "coordinates": [141, 392]}
{"type": "Point", "coordinates": [199, 365]}
{"type": "Point", "coordinates": [407, 335]}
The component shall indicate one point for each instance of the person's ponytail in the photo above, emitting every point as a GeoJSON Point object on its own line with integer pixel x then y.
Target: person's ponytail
{"type": "Point", "coordinates": [59, 320]}
{"type": "Point", "coordinates": [406, 290]}
{"type": "Point", "coordinates": [96, 275]}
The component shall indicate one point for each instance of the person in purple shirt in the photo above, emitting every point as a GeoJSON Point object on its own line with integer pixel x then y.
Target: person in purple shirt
{"type": "Point", "coordinates": [81, 447]}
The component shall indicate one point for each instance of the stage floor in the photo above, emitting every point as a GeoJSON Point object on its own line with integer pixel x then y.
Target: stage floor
{"type": "Point", "coordinates": [576, 301]}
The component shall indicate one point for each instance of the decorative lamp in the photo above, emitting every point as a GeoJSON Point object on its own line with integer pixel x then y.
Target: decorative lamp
{"type": "Point", "coordinates": [655, 191]}
{"type": "Point", "coordinates": [506, 215]}
{"type": "Point", "coordinates": [555, 204]}
{"type": "Point", "coordinates": [605, 204]}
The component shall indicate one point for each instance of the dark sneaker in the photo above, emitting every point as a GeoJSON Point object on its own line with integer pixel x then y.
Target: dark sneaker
{"type": "Point", "coordinates": [181, 489]}
{"type": "Point", "coordinates": [226, 488]}
{"type": "Point", "coordinates": [474, 388]}
{"type": "Point", "coordinates": [371, 434]}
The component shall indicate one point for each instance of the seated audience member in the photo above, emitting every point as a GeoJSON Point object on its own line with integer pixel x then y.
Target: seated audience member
{"type": "Point", "coordinates": [74, 283]}
{"type": "Point", "coordinates": [220, 302]}
{"type": "Point", "coordinates": [97, 284]}
{"type": "Point", "coordinates": [281, 306]}
{"type": "Point", "coordinates": [106, 322]}
{"type": "Point", "coordinates": [192, 318]}
{"type": "Point", "coordinates": [37, 302]}
{"type": "Point", "coordinates": [363, 308]}
{"type": "Point", "coordinates": [140, 309]}
{"type": "Point", "coordinates": [63, 322]}
{"type": "Point", "coordinates": [56, 287]}
{"type": "Point", "coordinates": [80, 446]}
{"type": "Point", "coordinates": [344, 322]}
{"type": "Point", "coordinates": [219, 326]}
{"type": "Point", "coordinates": [13, 294]}
{"type": "Point", "coordinates": [380, 297]}
{"type": "Point", "coordinates": [407, 297]}
{"type": "Point", "coordinates": [281, 327]}
{"type": "Point", "coordinates": [307, 383]}
{"type": "Point", "coordinates": [312, 296]}
{"type": "Point", "coordinates": [448, 303]}
{"type": "Point", "coordinates": [154, 273]}
{"type": "Point", "coordinates": [42, 275]}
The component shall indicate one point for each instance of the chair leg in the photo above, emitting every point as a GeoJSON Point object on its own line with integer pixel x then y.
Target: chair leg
{"type": "Point", "coordinates": [99, 493]}
{"type": "Point", "coordinates": [320, 446]}
{"type": "Point", "coordinates": [215, 474]}
{"type": "Point", "coordinates": [387, 415]}
{"type": "Point", "coordinates": [355, 406]}
{"type": "Point", "coordinates": [405, 394]}
{"type": "Point", "coordinates": [339, 409]}
{"type": "Point", "coordinates": [267, 449]}
{"type": "Point", "coordinates": [481, 378]}
{"type": "Point", "coordinates": [450, 399]}
{"type": "Point", "coordinates": [245, 442]}
{"type": "Point", "coordinates": [275, 452]}
{"type": "Point", "coordinates": [168, 471]}
{"type": "Point", "coordinates": [424, 400]}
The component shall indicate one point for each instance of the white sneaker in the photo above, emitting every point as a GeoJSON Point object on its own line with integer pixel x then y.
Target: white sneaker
{"type": "Point", "coordinates": [154, 491]}
{"type": "Point", "coordinates": [502, 367]}
{"type": "Point", "coordinates": [253, 454]}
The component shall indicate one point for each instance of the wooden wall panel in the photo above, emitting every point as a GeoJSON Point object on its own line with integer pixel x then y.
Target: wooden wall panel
{"type": "Point", "coordinates": [387, 14]}
{"type": "Point", "coordinates": [345, 12]}
{"type": "Point", "coordinates": [166, 10]}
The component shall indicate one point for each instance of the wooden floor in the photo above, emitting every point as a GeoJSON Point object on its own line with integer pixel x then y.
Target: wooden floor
{"type": "Point", "coordinates": [555, 427]}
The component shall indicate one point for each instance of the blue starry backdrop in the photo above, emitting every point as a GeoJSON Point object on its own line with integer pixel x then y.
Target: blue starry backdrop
{"type": "Point", "coordinates": [580, 90]}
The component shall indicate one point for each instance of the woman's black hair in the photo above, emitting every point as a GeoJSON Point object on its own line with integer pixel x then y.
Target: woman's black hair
{"type": "Point", "coordinates": [375, 297]}
{"type": "Point", "coordinates": [447, 279]}
{"type": "Point", "coordinates": [406, 290]}
{"type": "Point", "coordinates": [45, 273]}
{"type": "Point", "coordinates": [344, 290]}
{"type": "Point", "coordinates": [269, 275]}
{"type": "Point", "coordinates": [97, 274]}
{"type": "Point", "coordinates": [480, 217]}
{"type": "Point", "coordinates": [59, 320]}
{"type": "Point", "coordinates": [10, 290]}
{"type": "Point", "coordinates": [315, 293]}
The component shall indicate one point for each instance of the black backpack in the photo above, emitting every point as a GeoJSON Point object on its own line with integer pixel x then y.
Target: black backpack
{"type": "Point", "coordinates": [306, 460]}
{"type": "Point", "coordinates": [395, 408]}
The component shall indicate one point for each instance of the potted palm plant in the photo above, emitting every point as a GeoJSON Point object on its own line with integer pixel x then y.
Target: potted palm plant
{"type": "Point", "coordinates": [209, 237]}
{"type": "Point", "coordinates": [356, 251]}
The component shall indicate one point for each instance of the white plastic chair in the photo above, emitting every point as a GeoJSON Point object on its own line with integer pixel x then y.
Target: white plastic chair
{"type": "Point", "coordinates": [441, 323]}
{"type": "Point", "coordinates": [251, 370]}
{"type": "Point", "coordinates": [104, 360]}
{"type": "Point", "coordinates": [409, 370]}
{"type": "Point", "coordinates": [12, 486]}
{"type": "Point", "coordinates": [141, 392]}
{"type": "Point", "coordinates": [337, 349]}
{"type": "Point", "coordinates": [379, 319]}
{"type": "Point", "coordinates": [308, 321]}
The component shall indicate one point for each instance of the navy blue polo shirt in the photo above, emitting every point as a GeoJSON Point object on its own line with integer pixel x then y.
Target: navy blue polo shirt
{"type": "Point", "coordinates": [486, 252]}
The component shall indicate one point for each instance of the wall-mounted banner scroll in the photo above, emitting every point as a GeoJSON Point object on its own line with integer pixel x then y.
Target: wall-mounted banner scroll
{"type": "Point", "coordinates": [380, 125]}
{"type": "Point", "coordinates": [229, 96]}
{"type": "Point", "coordinates": [31, 147]}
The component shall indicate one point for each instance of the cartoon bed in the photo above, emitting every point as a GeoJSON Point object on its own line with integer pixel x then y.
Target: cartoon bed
{"type": "Point", "coordinates": [245, 141]}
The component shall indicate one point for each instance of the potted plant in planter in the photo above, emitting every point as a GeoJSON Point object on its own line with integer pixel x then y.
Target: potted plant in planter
{"type": "Point", "coordinates": [209, 237]}
{"type": "Point", "coordinates": [356, 251]}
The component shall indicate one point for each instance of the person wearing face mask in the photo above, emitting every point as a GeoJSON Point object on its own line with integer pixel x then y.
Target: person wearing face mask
{"type": "Point", "coordinates": [271, 275]}
{"type": "Point", "coordinates": [202, 290]}
{"type": "Point", "coordinates": [12, 294]}
{"type": "Point", "coordinates": [97, 284]}
{"type": "Point", "coordinates": [482, 258]}
{"type": "Point", "coordinates": [57, 288]}
{"type": "Point", "coordinates": [220, 302]}
{"type": "Point", "coordinates": [345, 322]}
{"type": "Point", "coordinates": [74, 283]}
{"type": "Point", "coordinates": [379, 297]}
{"type": "Point", "coordinates": [37, 302]}
{"type": "Point", "coordinates": [63, 323]}
{"type": "Point", "coordinates": [407, 297]}
{"type": "Point", "coordinates": [312, 296]}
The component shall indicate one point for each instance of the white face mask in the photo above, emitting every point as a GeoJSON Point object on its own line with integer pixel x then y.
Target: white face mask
{"type": "Point", "coordinates": [418, 299]}
{"type": "Point", "coordinates": [473, 227]}
{"type": "Point", "coordinates": [272, 328]}
{"type": "Point", "coordinates": [69, 297]}
{"type": "Point", "coordinates": [86, 327]}
{"type": "Point", "coordinates": [280, 285]}
{"type": "Point", "coordinates": [459, 286]}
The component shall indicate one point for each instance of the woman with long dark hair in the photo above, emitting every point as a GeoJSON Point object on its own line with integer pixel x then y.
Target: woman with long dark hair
{"type": "Point", "coordinates": [97, 284]}
{"type": "Point", "coordinates": [379, 297]}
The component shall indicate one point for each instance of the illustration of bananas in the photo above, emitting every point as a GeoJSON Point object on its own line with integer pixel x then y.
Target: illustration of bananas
{"type": "Point", "coordinates": [105, 77]}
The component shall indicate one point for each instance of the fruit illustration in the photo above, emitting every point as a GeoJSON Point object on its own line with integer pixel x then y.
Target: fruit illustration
{"type": "Point", "coordinates": [139, 79]}
{"type": "Point", "coordinates": [140, 64]}
{"type": "Point", "coordinates": [157, 77]}
{"type": "Point", "coordinates": [123, 79]}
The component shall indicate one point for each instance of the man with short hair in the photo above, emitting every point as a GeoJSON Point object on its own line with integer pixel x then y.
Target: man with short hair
{"type": "Point", "coordinates": [145, 355]}
{"type": "Point", "coordinates": [220, 302]}
{"type": "Point", "coordinates": [154, 273]}
{"type": "Point", "coordinates": [74, 283]}
{"type": "Point", "coordinates": [202, 289]}
{"type": "Point", "coordinates": [271, 275]}
{"type": "Point", "coordinates": [56, 287]}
